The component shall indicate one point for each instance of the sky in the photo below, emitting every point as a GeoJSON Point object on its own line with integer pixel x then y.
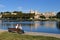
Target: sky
{"type": "Point", "coordinates": [27, 5]}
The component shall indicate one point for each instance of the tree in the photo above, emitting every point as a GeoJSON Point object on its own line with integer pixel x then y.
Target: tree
{"type": "Point", "coordinates": [26, 16]}
{"type": "Point", "coordinates": [58, 25]}
{"type": "Point", "coordinates": [42, 16]}
{"type": "Point", "coordinates": [17, 11]}
{"type": "Point", "coordinates": [31, 15]}
{"type": "Point", "coordinates": [52, 17]}
{"type": "Point", "coordinates": [58, 15]}
{"type": "Point", "coordinates": [7, 12]}
{"type": "Point", "coordinates": [19, 14]}
{"type": "Point", "coordinates": [1, 12]}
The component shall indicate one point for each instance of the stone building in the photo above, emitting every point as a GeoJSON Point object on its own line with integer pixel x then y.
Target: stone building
{"type": "Point", "coordinates": [37, 14]}
{"type": "Point", "coordinates": [48, 14]}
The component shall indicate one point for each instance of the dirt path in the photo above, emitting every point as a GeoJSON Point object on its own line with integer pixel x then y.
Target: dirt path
{"type": "Point", "coordinates": [2, 31]}
{"type": "Point", "coordinates": [42, 34]}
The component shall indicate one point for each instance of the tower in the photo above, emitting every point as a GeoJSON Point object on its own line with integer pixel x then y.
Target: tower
{"type": "Point", "coordinates": [31, 11]}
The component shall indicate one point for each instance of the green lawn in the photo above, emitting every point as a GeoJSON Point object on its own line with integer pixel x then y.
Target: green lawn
{"type": "Point", "coordinates": [16, 36]}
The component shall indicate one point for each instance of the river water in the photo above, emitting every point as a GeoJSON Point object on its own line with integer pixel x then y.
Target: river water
{"type": "Point", "coordinates": [33, 26]}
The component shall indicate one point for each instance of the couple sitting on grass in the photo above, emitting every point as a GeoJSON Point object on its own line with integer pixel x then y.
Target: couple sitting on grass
{"type": "Point", "coordinates": [19, 27]}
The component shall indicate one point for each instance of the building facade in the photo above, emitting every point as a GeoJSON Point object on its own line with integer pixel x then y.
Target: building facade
{"type": "Point", "coordinates": [37, 14]}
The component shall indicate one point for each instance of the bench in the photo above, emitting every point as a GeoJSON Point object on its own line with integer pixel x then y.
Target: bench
{"type": "Point", "coordinates": [15, 30]}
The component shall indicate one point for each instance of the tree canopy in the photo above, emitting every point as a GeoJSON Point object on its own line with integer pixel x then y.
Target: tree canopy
{"type": "Point", "coordinates": [58, 15]}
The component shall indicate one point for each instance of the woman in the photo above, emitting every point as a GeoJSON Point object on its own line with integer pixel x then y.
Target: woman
{"type": "Point", "coordinates": [16, 26]}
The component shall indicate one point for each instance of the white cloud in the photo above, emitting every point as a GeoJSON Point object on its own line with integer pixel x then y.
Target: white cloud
{"type": "Point", "coordinates": [2, 6]}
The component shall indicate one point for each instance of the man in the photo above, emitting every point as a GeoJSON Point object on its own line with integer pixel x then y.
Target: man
{"type": "Point", "coordinates": [20, 27]}
{"type": "Point", "coordinates": [16, 26]}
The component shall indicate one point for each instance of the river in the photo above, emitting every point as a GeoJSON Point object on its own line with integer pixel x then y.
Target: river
{"type": "Point", "coordinates": [33, 26]}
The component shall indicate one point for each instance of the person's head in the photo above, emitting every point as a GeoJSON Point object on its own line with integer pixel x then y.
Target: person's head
{"type": "Point", "coordinates": [17, 24]}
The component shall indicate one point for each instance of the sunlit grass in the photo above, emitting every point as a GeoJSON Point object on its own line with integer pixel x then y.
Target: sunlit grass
{"type": "Point", "coordinates": [16, 36]}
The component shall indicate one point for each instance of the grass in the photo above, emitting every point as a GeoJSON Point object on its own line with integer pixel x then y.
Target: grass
{"type": "Point", "coordinates": [16, 36]}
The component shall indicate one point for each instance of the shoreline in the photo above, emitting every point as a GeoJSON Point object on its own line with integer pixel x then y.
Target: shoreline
{"type": "Point", "coordinates": [42, 34]}
{"type": "Point", "coordinates": [37, 34]}
{"type": "Point", "coordinates": [2, 30]}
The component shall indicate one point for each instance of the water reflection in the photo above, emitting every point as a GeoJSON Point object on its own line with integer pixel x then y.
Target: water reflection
{"type": "Point", "coordinates": [50, 24]}
{"type": "Point", "coordinates": [42, 23]}
{"type": "Point", "coordinates": [58, 25]}
{"type": "Point", "coordinates": [34, 26]}
{"type": "Point", "coordinates": [46, 24]}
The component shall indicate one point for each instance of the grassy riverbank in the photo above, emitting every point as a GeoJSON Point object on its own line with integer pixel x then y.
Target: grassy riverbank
{"type": "Point", "coordinates": [15, 36]}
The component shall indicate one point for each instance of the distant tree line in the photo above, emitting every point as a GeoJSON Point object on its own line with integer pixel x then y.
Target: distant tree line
{"type": "Point", "coordinates": [19, 15]}
{"type": "Point", "coordinates": [24, 16]}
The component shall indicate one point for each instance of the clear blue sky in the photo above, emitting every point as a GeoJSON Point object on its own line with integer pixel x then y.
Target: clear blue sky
{"type": "Point", "coordinates": [26, 5]}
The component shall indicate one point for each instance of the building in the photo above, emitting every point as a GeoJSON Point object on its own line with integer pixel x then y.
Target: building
{"type": "Point", "coordinates": [46, 14]}
{"type": "Point", "coordinates": [31, 11]}
{"type": "Point", "coordinates": [49, 14]}
{"type": "Point", "coordinates": [37, 14]}
{"type": "Point", "coordinates": [0, 15]}
{"type": "Point", "coordinates": [14, 13]}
